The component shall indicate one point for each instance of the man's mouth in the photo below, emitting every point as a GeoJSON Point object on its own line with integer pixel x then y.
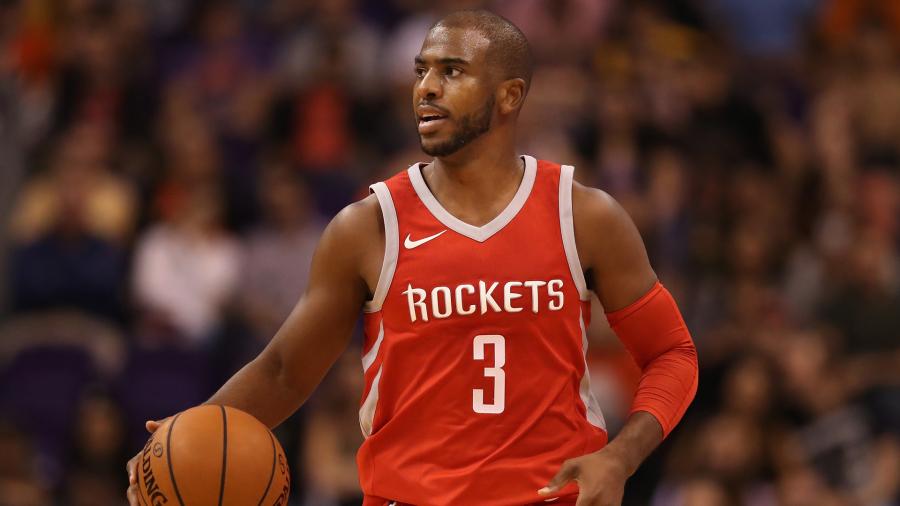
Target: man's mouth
{"type": "Point", "coordinates": [431, 122]}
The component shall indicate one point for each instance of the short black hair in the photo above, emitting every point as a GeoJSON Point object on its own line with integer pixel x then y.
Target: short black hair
{"type": "Point", "coordinates": [508, 50]}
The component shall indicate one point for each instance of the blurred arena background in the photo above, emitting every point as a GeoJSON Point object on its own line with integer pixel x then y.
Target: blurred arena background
{"type": "Point", "coordinates": [166, 167]}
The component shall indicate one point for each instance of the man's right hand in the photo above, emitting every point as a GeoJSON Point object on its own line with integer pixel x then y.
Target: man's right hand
{"type": "Point", "coordinates": [131, 467]}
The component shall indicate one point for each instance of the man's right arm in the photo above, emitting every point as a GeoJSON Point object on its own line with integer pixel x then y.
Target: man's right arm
{"type": "Point", "coordinates": [273, 385]}
{"type": "Point", "coordinates": [281, 378]}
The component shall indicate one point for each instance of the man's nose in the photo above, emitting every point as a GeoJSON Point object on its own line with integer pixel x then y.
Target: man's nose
{"type": "Point", "coordinates": [429, 87]}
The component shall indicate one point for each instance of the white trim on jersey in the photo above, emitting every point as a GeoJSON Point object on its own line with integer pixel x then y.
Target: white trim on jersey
{"type": "Point", "coordinates": [391, 247]}
{"type": "Point", "coordinates": [367, 411]}
{"type": "Point", "coordinates": [369, 358]}
{"type": "Point", "coordinates": [591, 406]}
{"type": "Point", "coordinates": [567, 227]}
{"type": "Point", "coordinates": [485, 231]}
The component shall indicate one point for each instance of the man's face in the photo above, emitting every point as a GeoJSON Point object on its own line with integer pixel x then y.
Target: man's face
{"type": "Point", "coordinates": [453, 97]}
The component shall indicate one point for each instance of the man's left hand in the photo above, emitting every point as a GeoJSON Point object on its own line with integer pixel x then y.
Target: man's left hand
{"type": "Point", "coordinates": [601, 479]}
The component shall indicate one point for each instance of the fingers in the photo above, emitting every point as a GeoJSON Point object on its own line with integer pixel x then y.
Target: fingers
{"type": "Point", "coordinates": [132, 496]}
{"type": "Point", "coordinates": [152, 425]}
{"type": "Point", "coordinates": [567, 473]}
{"type": "Point", "coordinates": [130, 468]}
{"type": "Point", "coordinates": [132, 492]}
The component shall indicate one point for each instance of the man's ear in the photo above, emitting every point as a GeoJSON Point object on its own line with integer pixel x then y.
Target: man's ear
{"type": "Point", "coordinates": [511, 95]}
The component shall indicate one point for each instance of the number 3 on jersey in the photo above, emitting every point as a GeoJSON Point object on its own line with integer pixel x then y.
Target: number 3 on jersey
{"type": "Point", "coordinates": [495, 372]}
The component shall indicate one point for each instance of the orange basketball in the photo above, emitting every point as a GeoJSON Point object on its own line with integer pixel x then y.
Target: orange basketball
{"type": "Point", "coordinates": [213, 456]}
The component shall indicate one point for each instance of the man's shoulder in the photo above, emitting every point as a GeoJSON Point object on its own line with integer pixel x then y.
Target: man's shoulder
{"type": "Point", "coordinates": [353, 236]}
{"type": "Point", "coordinates": [360, 217]}
{"type": "Point", "coordinates": [603, 229]}
{"type": "Point", "coordinates": [594, 204]}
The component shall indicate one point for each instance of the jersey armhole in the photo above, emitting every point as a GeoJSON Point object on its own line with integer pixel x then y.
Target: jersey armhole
{"type": "Point", "coordinates": [391, 247]}
{"type": "Point", "coordinates": [567, 227]}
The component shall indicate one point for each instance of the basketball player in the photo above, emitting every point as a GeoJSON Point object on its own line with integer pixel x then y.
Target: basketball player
{"type": "Point", "coordinates": [474, 273]}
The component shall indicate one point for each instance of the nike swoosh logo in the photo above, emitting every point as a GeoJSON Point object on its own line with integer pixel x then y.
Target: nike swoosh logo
{"type": "Point", "coordinates": [409, 244]}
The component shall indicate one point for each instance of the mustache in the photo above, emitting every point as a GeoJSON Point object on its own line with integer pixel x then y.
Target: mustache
{"type": "Point", "coordinates": [433, 106]}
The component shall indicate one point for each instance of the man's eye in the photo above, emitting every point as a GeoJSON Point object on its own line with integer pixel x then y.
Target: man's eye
{"type": "Point", "coordinates": [453, 72]}
{"type": "Point", "coordinates": [420, 72]}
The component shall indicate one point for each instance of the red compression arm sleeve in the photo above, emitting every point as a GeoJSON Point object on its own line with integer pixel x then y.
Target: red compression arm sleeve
{"type": "Point", "coordinates": [655, 335]}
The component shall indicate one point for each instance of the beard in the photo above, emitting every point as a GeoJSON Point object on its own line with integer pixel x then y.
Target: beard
{"type": "Point", "coordinates": [471, 127]}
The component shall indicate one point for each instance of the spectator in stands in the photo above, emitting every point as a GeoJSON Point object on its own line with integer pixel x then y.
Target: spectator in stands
{"type": "Point", "coordinates": [186, 270]}
{"type": "Point", "coordinates": [278, 252]}
{"type": "Point", "coordinates": [19, 481]}
{"type": "Point", "coordinates": [71, 225]}
{"type": "Point", "coordinates": [97, 453]}
{"type": "Point", "coordinates": [80, 176]}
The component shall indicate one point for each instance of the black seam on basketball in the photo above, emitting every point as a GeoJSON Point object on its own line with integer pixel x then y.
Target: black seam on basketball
{"type": "Point", "coordinates": [272, 473]}
{"type": "Point", "coordinates": [224, 452]}
{"type": "Point", "coordinates": [169, 449]}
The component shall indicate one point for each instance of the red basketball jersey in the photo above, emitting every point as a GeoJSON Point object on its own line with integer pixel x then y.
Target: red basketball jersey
{"type": "Point", "coordinates": [476, 386]}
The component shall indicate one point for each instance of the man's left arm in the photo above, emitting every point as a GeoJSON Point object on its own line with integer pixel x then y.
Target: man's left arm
{"type": "Point", "coordinates": [646, 319]}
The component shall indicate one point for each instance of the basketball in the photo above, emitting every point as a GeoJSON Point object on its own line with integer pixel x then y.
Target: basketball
{"type": "Point", "coordinates": [213, 455]}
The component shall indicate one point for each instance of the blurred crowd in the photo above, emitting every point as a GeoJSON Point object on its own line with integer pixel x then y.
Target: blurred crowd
{"type": "Point", "coordinates": [167, 166]}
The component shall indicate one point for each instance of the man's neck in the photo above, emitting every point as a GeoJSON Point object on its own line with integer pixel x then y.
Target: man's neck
{"type": "Point", "coordinates": [477, 184]}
